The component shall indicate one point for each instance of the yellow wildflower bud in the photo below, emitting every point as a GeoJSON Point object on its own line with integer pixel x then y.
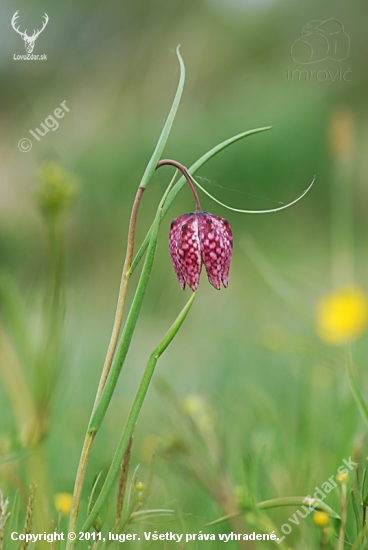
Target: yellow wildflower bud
{"type": "Point", "coordinates": [342, 315]}
{"type": "Point", "coordinates": [343, 477]}
{"type": "Point", "coordinates": [63, 503]}
{"type": "Point", "coordinates": [56, 189]}
{"type": "Point", "coordinates": [139, 486]}
{"type": "Point", "coordinates": [321, 519]}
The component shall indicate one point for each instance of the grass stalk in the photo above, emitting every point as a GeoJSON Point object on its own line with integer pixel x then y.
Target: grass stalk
{"type": "Point", "coordinates": [340, 545]}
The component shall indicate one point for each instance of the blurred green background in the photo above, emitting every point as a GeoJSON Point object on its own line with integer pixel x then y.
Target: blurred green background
{"type": "Point", "coordinates": [247, 351]}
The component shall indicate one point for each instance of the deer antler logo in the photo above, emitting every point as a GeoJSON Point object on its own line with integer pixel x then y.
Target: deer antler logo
{"type": "Point", "coordinates": [29, 41]}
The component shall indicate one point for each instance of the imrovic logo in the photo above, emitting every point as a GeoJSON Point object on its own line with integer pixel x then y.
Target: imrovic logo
{"type": "Point", "coordinates": [321, 41]}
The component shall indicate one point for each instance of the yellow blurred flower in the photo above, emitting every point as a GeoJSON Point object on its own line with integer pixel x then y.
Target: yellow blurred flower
{"type": "Point", "coordinates": [197, 409]}
{"type": "Point", "coordinates": [63, 503]}
{"type": "Point", "coordinates": [321, 519]}
{"type": "Point", "coordinates": [343, 477]}
{"type": "Point", "coordinates": [342, 315]}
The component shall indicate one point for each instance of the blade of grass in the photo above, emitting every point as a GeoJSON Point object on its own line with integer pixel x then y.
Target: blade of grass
{"type": "Point", "coordinates": [13, 521]}
{"type": "Point", "coordinates": [356, 512]}
{"type": "Point", "coordinates": [94, 487]}
{"type": "Point", "coordinates": [358, 480]}
{"type": "Point", "coordinates": [284, 501]}
{"type": "Point", "coordinates": [134, 412]}
{"type": "Point", "coordinates": [363, 481]}
{"type": "Point", "coordinates": [297, 501]}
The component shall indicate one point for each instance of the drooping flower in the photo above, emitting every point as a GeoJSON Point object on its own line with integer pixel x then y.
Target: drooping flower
{"type": "Point", "coordinates": [196, 238]}
{"type": "Point", "coordinates": [342, 315]}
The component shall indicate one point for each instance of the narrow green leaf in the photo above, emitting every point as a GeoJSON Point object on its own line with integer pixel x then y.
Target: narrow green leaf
{"type": "Point", "coordinates": [297, 501]}
{"type": "Point", "coordinates": [12, 524]}
{"type": "Point", "coordinates": [354, 388]}
{"type": "Point", "coordinates": [278, 502]}
{"type": "Point", "coordinates": [144, 515]}
{"type": "Point", "coordinates": [134, 412]}
{"type": "Point", "coordinates": [151, 167]}
{"type": "Point", "coordinates": [94, 486]}
{"type": "Point", "coordinates": [358, 480]}
{"type": "Point", "coordinates": [182, 181]}
{"type": "Point", "coordinates": [150, 478]}
{"type": "Point", "coordinates": [363, 481]}
{"type": "Point", "coordinates": [156, 511]}
{"type": "Point", "coordinates": [223, 519]}
{"type": "Point", "coordinates": [356, 512]}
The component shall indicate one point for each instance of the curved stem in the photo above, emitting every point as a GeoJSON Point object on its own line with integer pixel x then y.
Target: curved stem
{"type": "Point", "coordinates": [122, 295]}
{"type": "Point", "coordinates": [88, 441]}
{"type": "Point", "coordinates": [186, 174]}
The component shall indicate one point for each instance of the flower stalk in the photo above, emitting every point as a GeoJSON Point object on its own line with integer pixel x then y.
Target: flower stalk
{"type": "Point", "coordinates": [184, 171]}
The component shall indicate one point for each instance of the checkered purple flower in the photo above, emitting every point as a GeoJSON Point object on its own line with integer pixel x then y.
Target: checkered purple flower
{"type": "Point", "coordinates": [196, 238]}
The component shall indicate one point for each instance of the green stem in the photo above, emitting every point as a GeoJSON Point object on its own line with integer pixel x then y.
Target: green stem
{"type": "Point", "coordinates": [134, 412]}
{"type": "Point", "coordinates": [184, 171]}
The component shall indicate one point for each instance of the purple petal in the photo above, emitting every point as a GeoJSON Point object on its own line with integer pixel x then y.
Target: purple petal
{"type": "Point", "coordinates": [189, 253]}
{"type": "Point", "coordinates": [174, 240]}
{"type": "Point", "coordinates": [212, 247]}
{"type": "Point", "coordinates": [228, 242]}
